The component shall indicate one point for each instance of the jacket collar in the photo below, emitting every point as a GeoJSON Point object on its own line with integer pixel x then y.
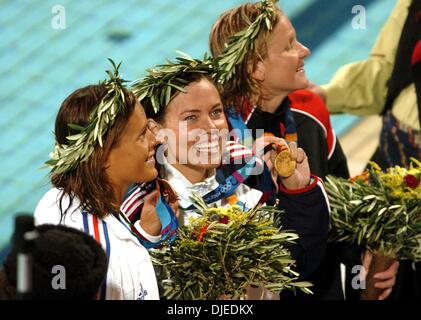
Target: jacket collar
{"type": "Point", "coordinates": [185, 188]}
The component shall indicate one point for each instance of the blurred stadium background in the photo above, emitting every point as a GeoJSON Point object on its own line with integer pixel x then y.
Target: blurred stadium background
{"type": "Point", "coordinates": [40, 65]}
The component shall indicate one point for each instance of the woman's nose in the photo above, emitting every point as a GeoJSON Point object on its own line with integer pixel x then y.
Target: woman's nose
{"type": "Point", "coordinates": [304, 51]}
{"type": "Point", "coordinates": [210, 124]}
{"type": "Point", "coordinates": [153, 142]}
{"type": "Point", "coordinates": [154, 130]}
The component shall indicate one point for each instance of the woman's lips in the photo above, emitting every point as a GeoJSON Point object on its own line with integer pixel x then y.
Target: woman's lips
{"type": "Point", "coordinates": [207, 147]}
{"type": "Point", "coordinates": [151, 158]}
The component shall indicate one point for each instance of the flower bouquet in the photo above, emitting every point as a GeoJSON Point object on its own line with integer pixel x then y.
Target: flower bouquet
{"type": "Point", "coordinates": [382, 212]}
{"type": "Point", "coordinates": [224, 251]}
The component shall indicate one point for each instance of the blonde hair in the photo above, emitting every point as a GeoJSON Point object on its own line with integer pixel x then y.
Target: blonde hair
{"type": "Point", "coordinates": [228, 24]}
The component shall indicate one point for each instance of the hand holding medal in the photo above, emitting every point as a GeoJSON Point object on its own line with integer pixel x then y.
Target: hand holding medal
{"type": "Point", "coordinates": [149, 219]}
{"type": "Point", "coordinates": [284, 163]}
{"type": "Point", "coordinates": [289, 162]}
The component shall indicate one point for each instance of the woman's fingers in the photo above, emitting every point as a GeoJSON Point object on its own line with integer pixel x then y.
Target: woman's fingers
{"type": "Point", "coordinates": [174, 206]}
{"type": "Point", "coordinates": [149, 219]}
{"type": "Point", "coordinates": [268, 158]}
{"type": "Point", "coordinates": [261, 144]}
{"type": "Point", "coordinates": [279, 142]}
{"type": "Point", "coordinates": [385, 284]}
{"type": "Point", "coordinates": [151, 200]}
{"type": "Point", "coordinates": [367, 257]}
{"type": "Point", "coordinates": [389, 273]}
{"type": "Point", "coordinates": [385, 294]}
{"type": "Point", "coordinates": [301, 155]}
{"type": "Point", "coordinates": [293, 150]}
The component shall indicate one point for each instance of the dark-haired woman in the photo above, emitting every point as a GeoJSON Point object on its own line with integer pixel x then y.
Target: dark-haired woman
{"type": "Point", "coordinates": [91, 176]}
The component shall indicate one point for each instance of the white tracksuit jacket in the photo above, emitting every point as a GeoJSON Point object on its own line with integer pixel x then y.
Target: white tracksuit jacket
{"type": "Point", "coordinates": [130, 275]}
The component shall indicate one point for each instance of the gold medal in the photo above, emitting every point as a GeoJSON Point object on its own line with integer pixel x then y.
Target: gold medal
{"type": "Point", "coordinates": [285, 164]}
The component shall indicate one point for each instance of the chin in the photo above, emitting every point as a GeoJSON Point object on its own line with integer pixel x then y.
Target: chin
{"type": "Point", "coordinates": [149, 174]}
{"type": "Point", "coordinates": [302, 84]}
{"type": "Point", "coordinates": [208, 160]}
{"type": "Point", "coordinates": [208, 166]}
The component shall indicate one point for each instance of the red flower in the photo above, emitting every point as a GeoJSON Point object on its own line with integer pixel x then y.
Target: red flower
{"type": "Point", "coordinates": [202, 232]}
{"type": "Point", "coordinates": [411, 181]}
{"type": "Point", "coordinates": [224, 219]}
{"type": "Point", "coordinates": [363, 177]}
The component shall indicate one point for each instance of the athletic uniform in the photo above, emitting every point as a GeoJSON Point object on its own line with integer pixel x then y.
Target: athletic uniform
{"type": "Point", "coordinates": [303, 118]}
{"type": "Point", "coordinates": [130, 274]}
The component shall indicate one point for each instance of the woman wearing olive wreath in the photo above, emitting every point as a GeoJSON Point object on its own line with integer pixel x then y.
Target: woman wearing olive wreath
{"type": "Point", "coordinates": [104, 146]}
{"type": "Point", "coordinates": [261, 72]}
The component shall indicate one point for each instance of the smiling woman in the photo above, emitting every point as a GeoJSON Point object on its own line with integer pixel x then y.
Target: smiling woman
{"type": "Point", "coordinates": [132, 159]}
{"type": "Point", "coordinates": [197, 121]}
{"type": "Point", "coordinates": [187, 115]}
{"type": "Point", "coordinates": [103, 146]}
{"type": "Point", "coordinates": [183, 94]}
{"type": "Point", "coordinates": [286, 53]}
{"type": "Point", "coordinates": [267, 90]}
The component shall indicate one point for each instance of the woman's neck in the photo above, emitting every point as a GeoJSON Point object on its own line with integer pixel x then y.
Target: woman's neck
{"type": "Point", "coordinates": [271, 103]}
{"type": "Point", "coordinates": [119, 192]}
{"type": "Point", "coordinates": [192, 174]}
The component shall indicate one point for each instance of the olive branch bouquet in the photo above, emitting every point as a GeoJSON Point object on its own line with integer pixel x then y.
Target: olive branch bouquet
{"type": "Point", "coordinates": [380, 211]}
{"type": "Point", "coordinates": [225, 250]}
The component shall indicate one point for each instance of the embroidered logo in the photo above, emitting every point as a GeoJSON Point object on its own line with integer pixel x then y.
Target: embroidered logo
{"type": "Point", "coordinates": [226, 187]}
{"type": "Point", "coordinates": [142, 293]}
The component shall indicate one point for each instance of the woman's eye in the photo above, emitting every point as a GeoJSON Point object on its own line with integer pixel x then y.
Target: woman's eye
{"type": "Point", "coordinates": [142, 135]}
{"type": "Point", "coordinates": [190, 118]}
{"type": "Point", "coordinates": [216, 112]}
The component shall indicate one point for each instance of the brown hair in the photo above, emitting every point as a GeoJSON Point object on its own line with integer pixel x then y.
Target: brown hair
{"type": "Point", "coordinates": [229, 23]}
{"type": "Point", "coordinates": [188, 77]}
{"type": "Point", "coordinates": [159, 117]}
{"type": "Point", "coordinates": [88, 182]}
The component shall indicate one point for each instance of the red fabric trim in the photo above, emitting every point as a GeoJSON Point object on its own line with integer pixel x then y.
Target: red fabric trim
{"type": "Point", "coordinates": [311, 103]}
{"type": "Point", "coordinates": [244, 156]}
{"type": "Point", "coordinates": [234, 148]}
{"type": "Point", "coordinates": [130, 199]}
{"type": "Point", "coordinates": [246, 109]}
{"type": "Point", "coordinates": [302, 190]}
{"type": "Point", "coordinates": [97, 238]}
{"type": "Point", "coordinates": [96, 230]}
{"type": "Point", "coordinates": [416, 55]}
{"type": "Point", "coordinates": [134, 213]}
{"type": "Point", "coordinates": [135, 202]}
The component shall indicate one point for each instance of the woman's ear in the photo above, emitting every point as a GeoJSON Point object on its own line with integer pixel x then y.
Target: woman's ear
{"type": "Point", "coordinates": [259, 71]}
